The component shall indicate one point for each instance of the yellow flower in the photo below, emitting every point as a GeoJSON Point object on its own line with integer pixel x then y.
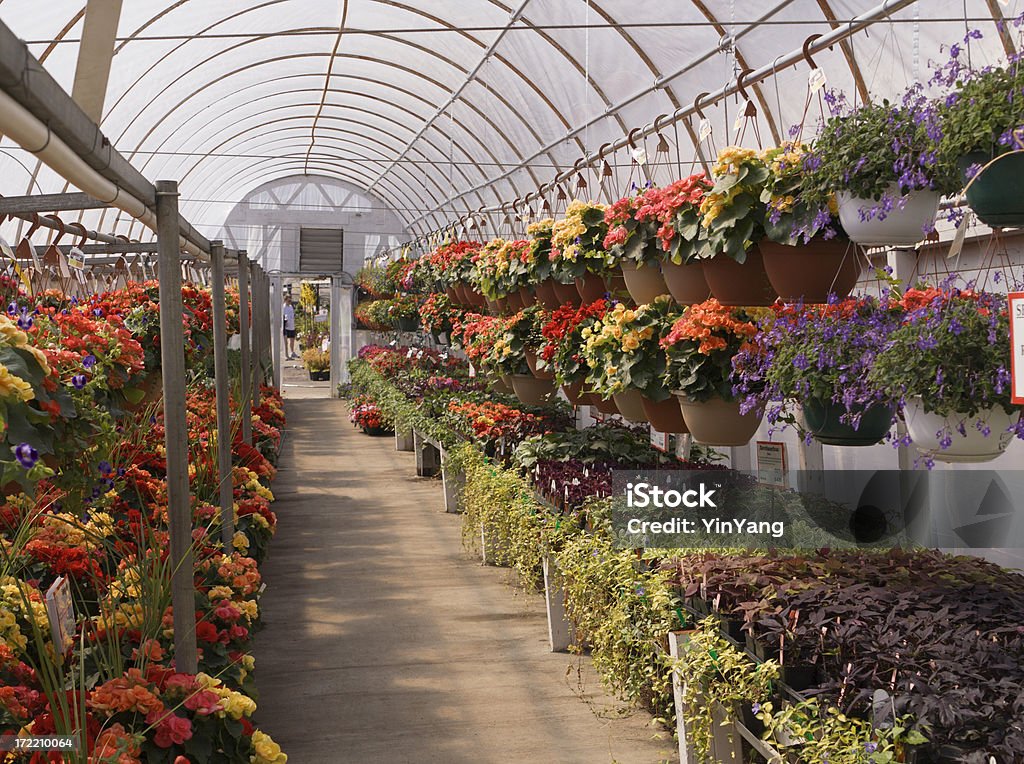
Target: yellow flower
{"type": "Point", "coordinates": [14, 387]}
{"type": "Point", "coordinates": [266, 751]}
{"type": "Point", "coordinates": [10, 332]}
{"type": "Point", "coordinates": [630, 342]}
{"type": "Point", "coordinates": [240, 541]}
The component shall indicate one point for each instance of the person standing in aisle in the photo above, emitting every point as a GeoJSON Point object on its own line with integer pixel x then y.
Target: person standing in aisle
{"type": "Point", "coordinates": [288, 313]}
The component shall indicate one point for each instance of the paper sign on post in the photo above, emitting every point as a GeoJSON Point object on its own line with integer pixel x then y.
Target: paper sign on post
{"type": "Point", "coordinates": [771, 463]}
{"type": "Point", "coordinates": [660, 440]}
{"type": "Point", "coordinates": [1016, 304]}
{"type": "Point", "coordinates": [61, 612]}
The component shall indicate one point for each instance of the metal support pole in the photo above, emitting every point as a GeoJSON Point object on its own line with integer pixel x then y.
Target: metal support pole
{"type": "Point", "coordinates": [179, 501]}
{"type": "Point", "coordinates": [256, 287]}
{"type": "Point", "coordinates": [276, 329]}
{"type": "Point", "coordinates": [245, 332]}
{"type": "Point", "coordinates": [336, 335]}
{"type": "Point", "coordinates": [221, 382]}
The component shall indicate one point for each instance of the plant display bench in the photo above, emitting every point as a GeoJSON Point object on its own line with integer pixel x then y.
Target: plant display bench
{"type": "Point", "coordinates": [403, 440]}
{"type": "Point", "coordinates": [729, 732]}
{"type": "Point", "coordinates": [428, 455]}
{"type": "Point", "coordinates": [454, 481]}
{"type": "Point", "coordinates": [559, 626]}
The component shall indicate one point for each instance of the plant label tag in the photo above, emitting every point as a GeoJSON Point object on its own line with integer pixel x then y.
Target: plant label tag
{"type": "Point", "coordinates": [1016, 305]}
{"type": "Point", "coordinates": [738, 124]}
{"type": "Point", "coordinates": [958, 241]}
{"type": "Point", "coordinates": [61, 613]}
{"type": "Point", "coordinates": [816, 80]}
{"type": "Point", "coordinates": [472, 371]}
{"type": "Point", "coordinates": [704, 131]}
{"type": "Point", "coordinates": [659, 440]}
{"type": "Point", "coordinates": [639, 156]}
{"type": "Point", "coordinates": [771, 463]}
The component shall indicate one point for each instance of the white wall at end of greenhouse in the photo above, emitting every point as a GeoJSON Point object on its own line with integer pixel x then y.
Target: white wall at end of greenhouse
{"type": "Point", "coordinates": [267, 221]}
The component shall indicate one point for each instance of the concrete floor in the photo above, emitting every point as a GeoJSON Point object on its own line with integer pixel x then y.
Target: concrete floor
{"type": "Point", "coordinates": [386, 642]}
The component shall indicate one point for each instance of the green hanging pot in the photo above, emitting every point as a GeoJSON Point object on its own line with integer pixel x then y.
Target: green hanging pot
{"type": "Point", "coordinates": [824, 421]}
{"type": "Point", "coordinates": [997, 194]}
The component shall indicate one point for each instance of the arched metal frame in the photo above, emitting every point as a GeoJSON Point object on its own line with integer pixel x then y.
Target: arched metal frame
{"type": "Point", "coordinates": [417, 184]}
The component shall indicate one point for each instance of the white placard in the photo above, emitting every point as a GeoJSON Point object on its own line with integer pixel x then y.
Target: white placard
{"type": "Point", "coordinates": [817, 80]}
{"type": "Point", "coordinates": [1017, 347]}
{"type": "Point", "coordinates": [704, 131]}
{"type": "Point", "coordinates": [660, 440]}
{"type": "Point", "coordinates": [639, 156]}
{"type": "Point", "coordinates": [61, 612]}
{"type": "Point", "coordinates": [771, 463]}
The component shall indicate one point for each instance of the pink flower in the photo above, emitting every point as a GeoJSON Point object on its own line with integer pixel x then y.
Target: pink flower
{"type": "Point", "coordinates": [172, 730]}
{"type": "Point", "coordinates": [204, 703]}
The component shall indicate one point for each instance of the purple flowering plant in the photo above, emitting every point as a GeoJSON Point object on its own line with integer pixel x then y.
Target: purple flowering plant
{"type": "Point", "coordinates": [878, 152]}
{"type": "Point", "coordinates": [817, 352]}
{"type": "Point", "coordinates": [951, 350]}
{"type": "Point", "coordinates": [981, 113]}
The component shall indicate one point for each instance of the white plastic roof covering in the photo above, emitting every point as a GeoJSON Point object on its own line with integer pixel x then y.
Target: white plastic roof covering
{"type": "Point", "coordinates": [429, 104]}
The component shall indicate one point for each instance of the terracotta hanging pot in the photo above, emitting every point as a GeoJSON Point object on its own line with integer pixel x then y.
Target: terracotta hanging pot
{"type": "Point", "coordinates": [534, 363]}
{"type": "Point", "coordinates": [575, 395]}
{"type": "Point", "coordinates": [591, 287]}
{"type": "Point", "coordinates": [476, 299]}
{"type": "Point", "coordinates": [604, 405]}
{"type": "Point", "coordinates": [644, 282]}
{"type": "Point", "coordinates": [664, 416]}
{"type": "Point", "coordinates": [514, 302]}
{"type": "Point", "coordinates": [630, 405]}
{"type": "Point", "coordinates": [743, 284]}
{"type": "Point", "coordinates": [810, 272]}
{"type": "Point", "coordinates": [532, 391]}
{"type": "Point", "coordinates": [686, 283]}
{"type": "Point", "coordinates": [503, 384]}
{"type": "Point", "coordinates": [567, 293]}
{"type": "Point", "coordinates": [717, 422]}
{"type": "Point", "coordinates": [453, 295]}
{"type": "Point", "coordinates": [545, 292]}
{"type": "Point", "coordinates": [527, 296]}
{"type": "Point", "coordinates": [493, 307]}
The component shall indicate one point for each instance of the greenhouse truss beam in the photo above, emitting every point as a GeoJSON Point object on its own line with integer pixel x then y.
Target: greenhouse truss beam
{"type": "Point", "coordinates": [751, 78]}
{"type": "Point", "coordinates": [95, 54]}
{"type": "Point", "coordinates": [13, 205]}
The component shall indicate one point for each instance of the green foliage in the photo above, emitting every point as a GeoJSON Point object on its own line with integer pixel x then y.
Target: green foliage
{"type": "Point", "coordinates": [602, 442]}
{"type": "Point", "coordinates": [734, 214]}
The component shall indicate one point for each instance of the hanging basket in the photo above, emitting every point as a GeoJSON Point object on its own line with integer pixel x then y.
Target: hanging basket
{"type": "Point", "coordinates": [904, 225]}
{"type": "Point", "coordinates": [575, 395]}
{"type": "Point", "coordinates": [567, 294]}
{"type": "Point", "coordinates": [408, 324]}
{"type": "Point", "coordinates": [514, 302]}
{"type": "Point", "coordinates": [476, 299]}
{"type": "Point", "coordinates": [534, 362]}
{"type": "Point", "coordinates": [502, 384]}
{"type": "Point", "coordinates": [824, 420]}
{"type": "Point", "coordinates": [997, 194]}
{"type": "Point", "coordinates": [745, 284]}
{"type": "Point", "coordinates": [546, 296]}
{"type": "Point", "coordinates": [644, 282]}
{"type": "Point", "coordinates": [533, 391]}
{"type": "Point", "coordinates": [812, 271]}
{"type": "Point", "coordinates": [604, 405]}
{"type": "Point", "coordinates": [664, 416]}
{"type": "Point", "coordinates": [453, 295]}
{"type": "Point", "coordinates": [927, 431]}
{"type": "Point", "coordinates": [686, 283]}
{"type": "Point", "coordinates": [591, 287]}
{"type": "Point", "coordinates": [630, 405]}
{"type": "Point", "coordinates": [377, 432]}
{"type": "Point", "coordinates": [527, 296]}
{"type": "Point", "coordinates": [718, 422]}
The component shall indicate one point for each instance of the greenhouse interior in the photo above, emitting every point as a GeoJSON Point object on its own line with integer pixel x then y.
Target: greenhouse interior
{"type": "Point", "coordinates": [553, 381]}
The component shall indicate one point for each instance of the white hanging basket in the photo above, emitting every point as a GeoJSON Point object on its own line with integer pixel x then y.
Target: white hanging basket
{"type": "Point", "coordinates": [903, 225]}
{"type": "Point", "coordinates": [928, 430]}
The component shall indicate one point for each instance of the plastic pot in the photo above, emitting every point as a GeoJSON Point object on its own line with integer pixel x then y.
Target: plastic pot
{"type": "Point", "coordinates": [997, 194]}
{"type": "Point", "coordinates": [927, 431]}
{"type": "Point", "coordinates": [545, 292]}
{"type": "Point", "coordinates": [320, 376]}
{"type": "Point", "coordinates": [533, 362]}
{"type": "Point", "coordinates": [574, 393]}
{"type": "Point", "coordinates": [734, 283]}
{"type": "Point", "coordinates": [527, 297]}
{"type": "Point", "coordinates": [686, 283]}
{"type": "Point", "coordinates": [810, 272]}
{"type": "Point", "coordinates": [630, 405]}
{"type": "Point", "coordinates": [904, 224]}
{"type": "Point", "coordinates": [532, 391]}
{"type": "Point", "coordinates": [514, 302]}
{"type": "Point", "coordinates": [644, 282]}
{"type": "Point", "coordinates": [664, 416]}
{"type": "Point", "coordinates": [590, 287]}
{"type": "Point", "coordinates": [567, 294]}
{"type": "Point", "coordinates": [615, 283]}
{"type": "Point", "coordinates": [824, 421]}
{"type": "Point", "coordinates": [604, 405]}
{"type": "Point", "coordinates": [502, 384]}
{"type": "Point", "coordinates": [717, 422]}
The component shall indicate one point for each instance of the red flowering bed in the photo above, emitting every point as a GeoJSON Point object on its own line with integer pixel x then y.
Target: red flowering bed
{"type": "Point", "coordinates": [85, 498]}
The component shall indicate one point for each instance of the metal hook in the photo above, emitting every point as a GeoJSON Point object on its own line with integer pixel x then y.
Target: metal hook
{"type": "Point", "coordinates": [696, 104]}
{"type": "Point", "coordinates": [61, 226]}
{"type": "Point", "coordinates": [806, 50]}
{"type": "Point", "coordinates": [35, 225]}
{"type": "Point", "coordinates": [83, 232]}
{"type": "Point", "coordinates": [739, 83]}
{"type": "Point", "coordinates": [629, 137]}
{"type": "Point", "coordinates": [658, 119]}
{"type": "Point", "coordinates": [604, 148]}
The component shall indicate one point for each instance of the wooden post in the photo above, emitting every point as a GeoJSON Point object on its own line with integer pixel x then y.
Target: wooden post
{"type": "Point", "coordinates": [559, 628]}
{"type": "Point", "coordinates": [276, 327]}
{"type": "Point", "coordinates": [222, 386]}
{"type": "Point", "coordinates": [245, 330]}
{"type": "Point", "coordinates": [337, 373]}
{"type": "Point", "coordinates": [179, 501]}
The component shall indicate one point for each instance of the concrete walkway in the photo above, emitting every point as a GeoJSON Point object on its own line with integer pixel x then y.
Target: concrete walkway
{"type": "Point", "coordinates": [386, 642]}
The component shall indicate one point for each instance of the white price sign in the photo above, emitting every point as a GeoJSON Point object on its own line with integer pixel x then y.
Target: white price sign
{"type": "Point", "coordinates": [660, 440]}
{"type": "Point", "coordinates": [771, 463]}
{"type": "Point", "coordinates": [1017, 347]}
